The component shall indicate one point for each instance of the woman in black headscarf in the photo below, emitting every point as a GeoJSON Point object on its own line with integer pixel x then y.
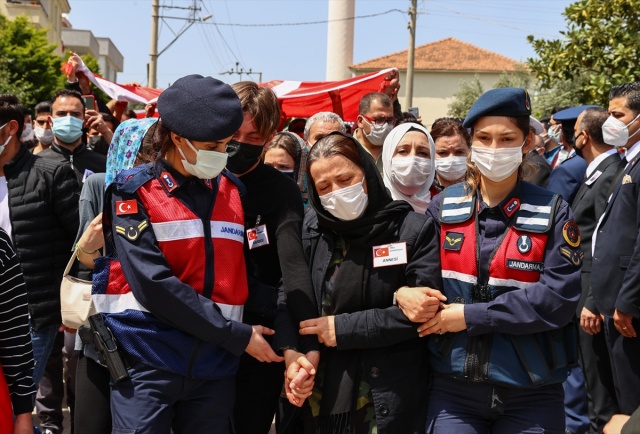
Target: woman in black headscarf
{"type": "Point", "coordinates": [362, 247]}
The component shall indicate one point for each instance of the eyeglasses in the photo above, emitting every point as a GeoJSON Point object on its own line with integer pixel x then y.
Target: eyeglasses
{"type": "Point", "coordinates": [381, 120]}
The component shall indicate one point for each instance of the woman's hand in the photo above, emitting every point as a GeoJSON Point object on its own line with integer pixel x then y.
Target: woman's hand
{"type": "Point", "coordinates": [449, 319]}
{"type": "Point", "coordinates": [324, 327]}
{"type": "Point", "coordinates": [91, 241]}
{"type": "Point", "coordinates": [259, 348]}
{"type": "Point", "coordinates": [419, 304]}
{"type": "Point", "coordinates": [299, 376]}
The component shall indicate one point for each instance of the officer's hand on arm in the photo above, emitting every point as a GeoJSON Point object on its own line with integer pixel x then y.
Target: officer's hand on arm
{"type": "Point", "coordinates": [419, 304]}
{"type": "Point", "coordinates": [324, 327]}
{"type": "Point", "coordinates": [259, 348]}
{"type": "Point", "coordinates": [449, 319]}
{"type": "Point", "coordinates": [23, 424]}
{"type": "Point", "coordinates": [623, 324]}
{"type": "Point", "coordinates": [590, 322]}
{"type": "Point", "coordinates": [299, 376]}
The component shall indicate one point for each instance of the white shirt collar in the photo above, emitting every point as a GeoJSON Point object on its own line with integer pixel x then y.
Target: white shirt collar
{"type": "Point", "coordinates": [596, 162]}
{"type": "Point", "coordinates": [633, 151]}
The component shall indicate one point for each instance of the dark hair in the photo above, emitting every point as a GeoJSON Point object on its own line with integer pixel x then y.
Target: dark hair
{"type": "Point", "coordinates": [282, 141]}
{"type": "Point", "coordinates": [630, 92]}
{"type": "Point", "coordinates": [108, 117]}
{"type": "Point", "coordinates": [10, 110]}
{"type": "Point", "coordinates": [147, 153]}
{"type": "Point", "coordinates": [130, 114]}
{"type": "Point", "coordinates": [161, 140]}
{"type": "Point", "coordinates": [43, 107]}
{"type": "Point", "coordinates": [68, 92]}
{"type": "Point", "coordinates": [448, 127]}
{"type": "Point", "coordinates": [26, 111]}
{"type": "Point", "coordinates": [263, 105]}
{"type": "Point", "coordinates": [334, 144]}
{"type": "Point", "coordinates": [408, 118]}
{"type": "Point", "coordinates": [592, 123]}
{"type": "Point", "coordinates": [525, 169]}
{"type": "Point", "coordinates": [368, 99]}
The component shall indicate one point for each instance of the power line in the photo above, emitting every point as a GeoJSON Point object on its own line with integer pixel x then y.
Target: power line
{"type": "Point", "coordinates": [306, 23]}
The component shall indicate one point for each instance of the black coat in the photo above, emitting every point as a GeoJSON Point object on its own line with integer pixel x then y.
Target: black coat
{"type": "Point", "coordinates": [81, 159]}
{"type": "Point", "coordinates": [616, 256]}
{"type": "Point", "coordinates": [588, 206]}
{"type": "Point", "coordinates": [394, 359]}
{"type": "Point", "coordinates": [43, 207]}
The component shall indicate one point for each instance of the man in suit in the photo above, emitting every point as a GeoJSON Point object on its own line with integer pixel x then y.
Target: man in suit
{"type": "Point", "coordinates": [616, 253]}
{"type": "Point", "coordinates": [588, 205]}
{"type": "Point", "coordinates": [566, 178]}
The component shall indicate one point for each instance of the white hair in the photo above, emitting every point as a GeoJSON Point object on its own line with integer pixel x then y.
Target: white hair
{"type": "Point", "coordinates": [326, 117]}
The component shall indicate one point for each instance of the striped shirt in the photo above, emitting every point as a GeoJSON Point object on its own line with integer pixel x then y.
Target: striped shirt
{"type": "Point", "coordinates": [16, 355]}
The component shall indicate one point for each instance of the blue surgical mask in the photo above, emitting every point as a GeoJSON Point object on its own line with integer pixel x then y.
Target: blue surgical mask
{"type": "Point", "coordinates": [67, 128]}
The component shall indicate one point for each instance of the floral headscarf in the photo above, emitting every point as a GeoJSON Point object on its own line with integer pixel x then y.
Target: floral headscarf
{"type": "Point", "coordinates": [124, 146]}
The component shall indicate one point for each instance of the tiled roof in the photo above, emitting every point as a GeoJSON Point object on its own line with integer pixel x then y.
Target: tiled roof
{"type": "Point", "coordinates": [449, 54]}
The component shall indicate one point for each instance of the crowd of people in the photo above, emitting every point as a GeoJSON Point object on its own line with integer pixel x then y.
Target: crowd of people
{"type": "Point", "coordinates": [397, 278]}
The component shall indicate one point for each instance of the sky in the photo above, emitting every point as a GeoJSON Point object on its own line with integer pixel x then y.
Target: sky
{"type": "Point", "coordinates": [287, 39]}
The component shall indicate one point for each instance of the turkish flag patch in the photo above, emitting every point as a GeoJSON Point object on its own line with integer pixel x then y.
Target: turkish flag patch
{"type": "Point", "coordinates": [382, 251]}
{"type": "Point", "coordinates": [124, 207]}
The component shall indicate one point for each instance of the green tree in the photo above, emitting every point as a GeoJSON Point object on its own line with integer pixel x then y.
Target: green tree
{"type": "Point", "coordinates": [597, 50]}
{"type": "Point", "coordinates": [470, 91]}
{"type": "Point", "coordinates": [29, 68]}
{"type": "Point", "coordinates": [465, 97]}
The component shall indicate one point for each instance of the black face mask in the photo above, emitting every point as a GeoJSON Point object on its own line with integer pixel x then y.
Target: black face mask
{"type": "Point", "coordinates": [242, 156]}
{"type": "Point", "coordinates": [98, 144]}
{"type": "Point", "coordinates": [578, 150]}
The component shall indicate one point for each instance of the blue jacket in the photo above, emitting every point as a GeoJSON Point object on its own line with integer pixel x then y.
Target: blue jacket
{"type": "Point", "coordinates": [163, 307]}
{"type": "Point", "coordinates": [516, 267]}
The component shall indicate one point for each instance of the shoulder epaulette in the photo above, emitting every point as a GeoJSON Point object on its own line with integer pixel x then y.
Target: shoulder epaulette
{"type": "Point", "coordinates": [537, 214]}
{"type": "Point", "coordinates": [457, 205]}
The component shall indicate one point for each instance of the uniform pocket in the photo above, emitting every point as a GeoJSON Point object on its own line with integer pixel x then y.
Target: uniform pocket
{"type": "Point", "coordinates": [624, 262]}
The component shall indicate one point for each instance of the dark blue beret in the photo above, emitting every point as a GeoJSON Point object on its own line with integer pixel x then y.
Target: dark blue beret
{"type": "Point", "coordinates": [572, 113]}
{"type": "Point", "coordinates": [200, 108]}
{"type": "Point", "coordinates": [506, 101]}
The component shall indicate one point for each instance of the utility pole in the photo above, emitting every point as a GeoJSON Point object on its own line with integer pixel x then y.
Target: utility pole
{"type": "Point", "coordinates": [153, 54]}
{"type": "Point", "coordinates": [152, 68]}
{"type": "Point", "coordinates": [412, 46]}
{"type": "Point", "coordinates": [241, 71]}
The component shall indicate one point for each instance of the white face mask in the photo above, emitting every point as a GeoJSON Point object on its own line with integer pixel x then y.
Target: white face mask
{"type": "Point", "coordinates": [410, 173]}
{"type": "Point", "coordinates": [208, 164]}
{"type": "Point", "coordinates": [44, 136]}
{"type": "Point", "coordinates": [347, 203]}
{"type": "Point", "coordinates": [497, 164]}
{"type": "Point", "coordinates": [378, 132]}
{"type": "Point", "coordinates": [27, 133]}
{"type": "Point", "coordinates": [6, 141]}
{"type": "Point", "coordinates": [616, 133]}
{"type": "Point", "coordinates": [451, 168]}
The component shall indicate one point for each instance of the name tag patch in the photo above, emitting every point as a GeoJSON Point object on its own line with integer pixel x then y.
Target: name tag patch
{"type": "Point", "coordinates": [516, 264]}
{"type": "Point", "coordinates": [593, 177]}
{"type": "Point", "coordinates": [453, 241]}
{"type": "Point", "coordinates": [389, 254]}
{"type": "Point", "coordinates": [257, 237]}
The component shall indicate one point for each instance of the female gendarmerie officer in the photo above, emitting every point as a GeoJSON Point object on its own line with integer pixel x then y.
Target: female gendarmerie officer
{"type": "Point", "coordinates": [511, 258]}
{"type": "Point", "coordinates": [173, 282]}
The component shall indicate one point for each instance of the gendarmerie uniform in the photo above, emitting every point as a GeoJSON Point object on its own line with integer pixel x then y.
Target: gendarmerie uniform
{"type": "Point", "coordinates": [516, 267]}
{"type": "Point", "coordinates": [173, 281]}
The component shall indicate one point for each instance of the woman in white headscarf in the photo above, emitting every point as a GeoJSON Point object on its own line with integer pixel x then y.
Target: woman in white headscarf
{"type": "Point", "coordinates": [408, 165]}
